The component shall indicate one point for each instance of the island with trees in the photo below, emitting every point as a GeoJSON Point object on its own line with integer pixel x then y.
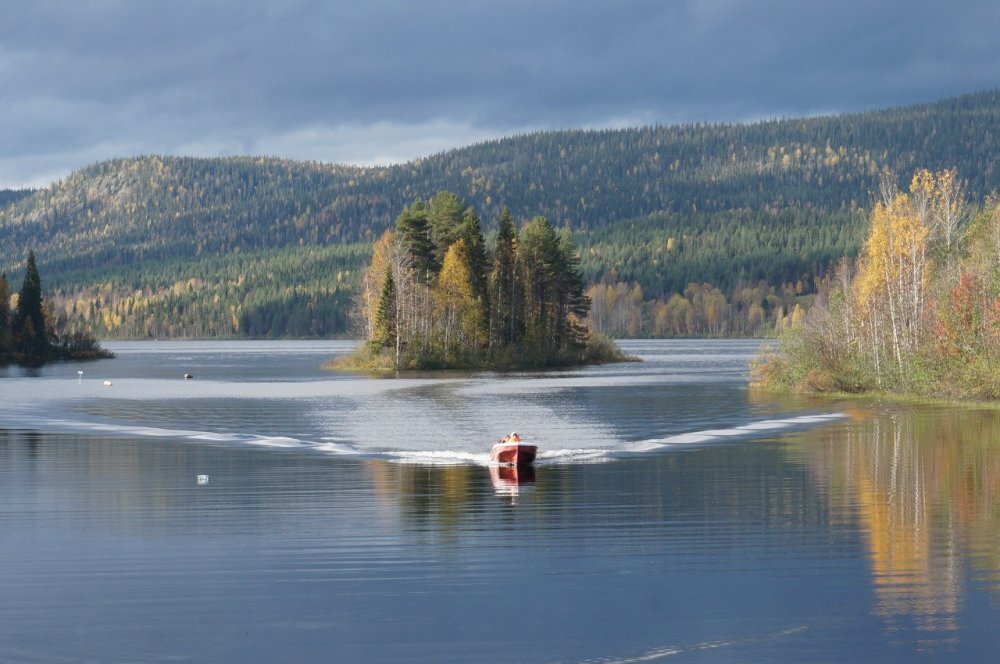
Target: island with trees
{"type": "Point", "coordinates": [31, 334]}
{"type": "Point", "coordinates": [917, 314]}
{"type": "Point", "coordinates": [434, 296]}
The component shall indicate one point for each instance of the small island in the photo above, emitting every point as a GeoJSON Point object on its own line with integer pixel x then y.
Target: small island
{"type": "Point", "coordinates": [30, 333]}
{"type": "Point", "coordinates": [918, 313]}
{"type": "Point", "coordinates": [435, 297]}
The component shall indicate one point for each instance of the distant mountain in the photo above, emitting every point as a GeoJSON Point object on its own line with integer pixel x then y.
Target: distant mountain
{"type": "Point", "coordinates": [184, 246]}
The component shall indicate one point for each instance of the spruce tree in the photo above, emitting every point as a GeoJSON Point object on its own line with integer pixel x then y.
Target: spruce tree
{"type": "Point", "coordinates": [576, 304]}
{"type": "Point", "coordinates": [504, 287]}
{"type": "Point", "coordinates": [537, 261]}
{"type": "Point", "coordinates": [414, 229]}
{"type": "Point", "coordinates": [445, 217]}
{"type": "Point", "coordinates": [5, 336]}
{"type": "Point", "coordinates": [471, 233]}
{"type": "Point", "coordinates": [385, 315]}
{"type": "Point", "coordinates": [29, 322]}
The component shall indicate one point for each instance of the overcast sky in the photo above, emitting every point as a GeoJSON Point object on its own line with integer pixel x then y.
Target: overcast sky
{"type": "Point", "coordinates": [384, 81]}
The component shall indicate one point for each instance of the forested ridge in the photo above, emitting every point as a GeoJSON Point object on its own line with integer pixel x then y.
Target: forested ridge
{"type": "Point", "coordinates": [214, 247]}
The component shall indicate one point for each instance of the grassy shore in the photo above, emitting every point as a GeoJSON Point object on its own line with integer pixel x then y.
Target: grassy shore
{"type": "Point", "coordinates": [365, 359]}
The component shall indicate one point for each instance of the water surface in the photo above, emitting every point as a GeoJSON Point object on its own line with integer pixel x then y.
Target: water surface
{"type": "Point", "coordinates": [673, 514]}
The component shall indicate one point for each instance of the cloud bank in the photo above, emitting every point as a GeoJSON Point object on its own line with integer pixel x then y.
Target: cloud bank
{"type": "Point", "coordinates": [385, 81]}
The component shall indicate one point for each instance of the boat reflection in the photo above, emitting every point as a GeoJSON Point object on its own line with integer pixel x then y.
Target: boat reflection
{"type": "Point", "coordinates": [512, 480]}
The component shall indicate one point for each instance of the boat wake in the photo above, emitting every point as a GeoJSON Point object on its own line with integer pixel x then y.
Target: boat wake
{"type": "Point", "coordinates": [476, 452]}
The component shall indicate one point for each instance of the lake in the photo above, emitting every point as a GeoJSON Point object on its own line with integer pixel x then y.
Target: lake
{"type": "Point", "coordinates": [267, 510]}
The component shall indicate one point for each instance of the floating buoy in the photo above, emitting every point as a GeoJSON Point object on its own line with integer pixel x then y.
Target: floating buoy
{"type": "Point", "coordinates": [188, 376]}
{"type": "Point", "coordinates": [107, 383]}
{"type": "Point", "coordinates": [203, 479]}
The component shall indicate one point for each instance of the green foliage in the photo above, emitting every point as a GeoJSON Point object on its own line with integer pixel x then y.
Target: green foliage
{"type": "Point", "coordinates": [30, 339]}
{"type": "Point", "coordinates": [700, 310]}
{"type": "Point", "coordinates": [413, 227]}
{"type": "Point", "coordinates": [35, 334]}
{"type": "Point", "coordinates": [445, 320]}
{"type": "Point", "coordinates": [506, 321]}
{"type": "Point", "coordinates": [6, 346]}
{"type": "Point", "coordinates": [662, 207]}
{"type": "Point", "coordinates": [855, 338]}
{"type": "Point", "coordinates": [385, 316]}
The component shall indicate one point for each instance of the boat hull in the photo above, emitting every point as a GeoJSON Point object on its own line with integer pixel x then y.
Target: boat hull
{"type": "Point", "coordinates": [513, 454]}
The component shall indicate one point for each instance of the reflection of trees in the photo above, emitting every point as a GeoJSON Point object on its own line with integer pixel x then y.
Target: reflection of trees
{"type": "Point", "coordinates": [443, 500]}
{"type": "Point", "coordinates": [439, 499]}
{"type": "Point", "coordinates": [925, 486]}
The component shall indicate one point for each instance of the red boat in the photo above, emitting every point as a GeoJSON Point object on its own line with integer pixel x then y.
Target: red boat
{"type": "Point", "coordinates": [513, 454]}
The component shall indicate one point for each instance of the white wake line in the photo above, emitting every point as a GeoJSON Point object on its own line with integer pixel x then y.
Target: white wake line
{"type": "Point", "coordinates": [231, 438]}
{"type": "Point", "coordinates": [453, 457]}
{"type": "Point", "coordinates": [744, 431]}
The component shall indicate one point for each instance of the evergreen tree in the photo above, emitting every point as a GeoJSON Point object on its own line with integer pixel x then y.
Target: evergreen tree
{"type": "Point", "coordinates": [445, 217]}
{"type": "Point", "coordinates": [5, 338]}
{"type": "Point", "coordinates": [29, 322]}
{"type": "Point", "coordinates": [385, 316]}
{"type": "Point", "coordinates": [471, 231]}
{"type": "Point", "coordinates": [575, 303]}
{"type": "Point", "coordinates": [415, 231]}
{"type": "Point", "coordinates": [505, 291]}
{"type": "Point", "coordinates": [537, 257]}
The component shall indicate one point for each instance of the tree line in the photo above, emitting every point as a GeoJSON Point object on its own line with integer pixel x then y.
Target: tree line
{"type": "Point", "coordinates": [30, 332]}
{"type": "Point", "coordinates": [917, 312]}
{"type": "Point", "coordinates": [621, 309]}
{"type": "Point", "coordinates": [435, 296]}
{"type": "Point", "coordinates": [662, 207]}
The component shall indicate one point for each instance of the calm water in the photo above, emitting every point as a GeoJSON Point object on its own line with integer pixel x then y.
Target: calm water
{"type": "Point", "coordinates": [672, 515]}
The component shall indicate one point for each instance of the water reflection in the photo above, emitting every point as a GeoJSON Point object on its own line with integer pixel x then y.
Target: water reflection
{"type": "Point", "coordinates": [512, 480]}
{"type": "Point", "coordinates": [925, 486]}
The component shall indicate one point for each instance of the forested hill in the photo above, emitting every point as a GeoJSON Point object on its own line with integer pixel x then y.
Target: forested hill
{"type": "Point", "coordinates": [8, 196]}
{"type": "Point", "coordinates": [661, 206]}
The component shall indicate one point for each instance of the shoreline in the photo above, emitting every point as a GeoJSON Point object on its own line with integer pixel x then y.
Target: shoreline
{"type": "Point", "coordinates": [889, 397]}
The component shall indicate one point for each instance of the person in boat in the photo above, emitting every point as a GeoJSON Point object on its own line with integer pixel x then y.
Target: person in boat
{"type": "Point", "coordinates": [515, 437]}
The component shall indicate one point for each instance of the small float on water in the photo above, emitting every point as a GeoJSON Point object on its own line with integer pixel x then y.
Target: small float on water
{"type": "Point", "coordinates": [510, 451]}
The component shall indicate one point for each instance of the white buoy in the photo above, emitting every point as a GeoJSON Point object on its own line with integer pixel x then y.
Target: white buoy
{"type": "Point", "coordinates": [79, 376]}
{"type": "Point", "coordinates": [107, 383]}
{"type": "Point", "coordinates": [188, 376]}
{"type": "Point", "coordinates": [203, 479]}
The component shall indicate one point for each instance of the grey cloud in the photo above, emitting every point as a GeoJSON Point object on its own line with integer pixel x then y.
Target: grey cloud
{"type": "Point", "coordinates": [161, 76]}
